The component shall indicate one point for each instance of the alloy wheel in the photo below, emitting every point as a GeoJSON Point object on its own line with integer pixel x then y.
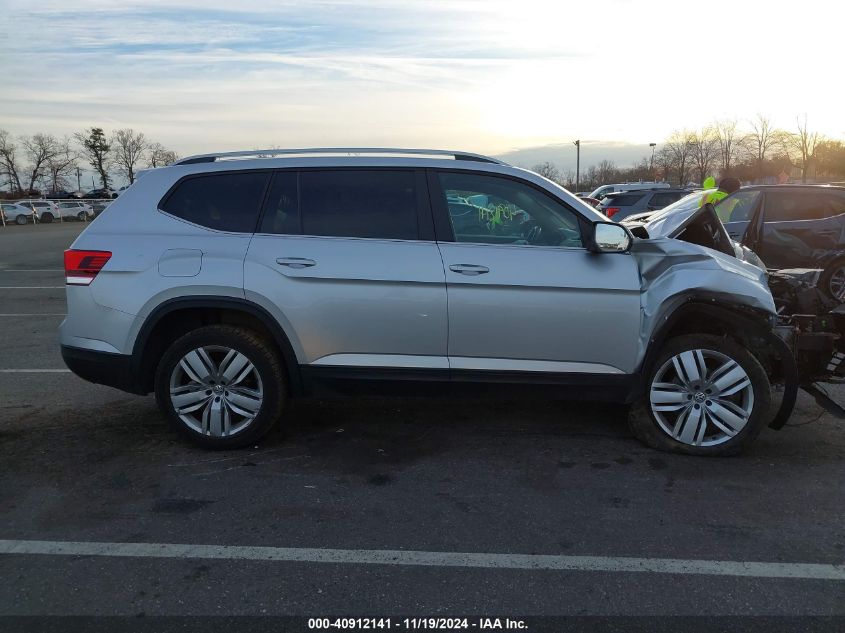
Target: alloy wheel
{"type": "Point", "coordinates": [837, 283]}
{"type": "Point", "coordinates": [216, 391]}
{"type": "Point", "coordinates": [701, 397]}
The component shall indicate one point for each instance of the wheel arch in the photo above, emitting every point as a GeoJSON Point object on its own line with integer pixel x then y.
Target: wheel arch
{"type": "Point", "coordinates": [177, 316]}
{"type": "Point", "coordinates": [752, 329]}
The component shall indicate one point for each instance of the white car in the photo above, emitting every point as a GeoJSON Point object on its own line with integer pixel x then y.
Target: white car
{"type": "Point", "coordinates": [45, 210]}
{"type": "Point", "coordinates": [17, 213]}
{"type": "Point", "coordinates": [76, 209]}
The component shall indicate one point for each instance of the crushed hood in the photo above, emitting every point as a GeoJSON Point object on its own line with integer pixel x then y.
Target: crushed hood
{"type": "Point", "coordinates": [670, 221]}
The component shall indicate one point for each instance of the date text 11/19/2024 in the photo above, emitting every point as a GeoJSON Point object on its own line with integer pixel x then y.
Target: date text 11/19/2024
{"type": "Point", "coordinates": [413, 624]}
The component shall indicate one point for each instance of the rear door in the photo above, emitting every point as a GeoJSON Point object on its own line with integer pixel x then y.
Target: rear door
{"type": "Point", "coordinates": [801, 227]}
{"type": "Point", "coordinates": [524, 293]}
{"type": "Point", "coordinates": [346, 261]}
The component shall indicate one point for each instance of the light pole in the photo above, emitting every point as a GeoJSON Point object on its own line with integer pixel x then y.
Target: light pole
{"type": "Point", "coordinates": [577, 145]}
{"type": "Point", "coordinates": [78, 179]}
{"type": "Point", "coordinates": [651, 165]}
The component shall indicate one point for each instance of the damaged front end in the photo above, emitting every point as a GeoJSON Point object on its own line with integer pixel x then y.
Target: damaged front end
{"type": "Point", "coordinates": [796, 331]}
{"type": "Point", "coordinates": [813, 327]}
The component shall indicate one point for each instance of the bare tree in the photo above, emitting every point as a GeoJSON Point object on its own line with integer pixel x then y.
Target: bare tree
{"type": "Point", "coordinates": [664, 164]}
{"type": "Point", "coordinates": [39, 150]}
{"type": "Point", "coordinates": [159, 156]}
{"type": "Point", "coordinates": [128, 147]}
{"type": "Point", "coordinates": [704, 149]}
{"type": "Point", "coordinates": [679, 148]}
{"type": "Point", "coordinates": [590, 179]}
{"type": "Point", "coordinates": [97, 150]}
{"type": "Point", "coordinates": [547, 170]}
{"type": "Point", "coordinates": [760, 141]}
{"type": "Point", "coordinates": [9, 165]}
{"type": "Point", "coordinates": [730, 144]}
{"type": "Point", "coordinates": [606, 171]}
{"type": "Point", "coordinates": [61, 166]}
{"type": "Point", "coordinates": [803, 145]}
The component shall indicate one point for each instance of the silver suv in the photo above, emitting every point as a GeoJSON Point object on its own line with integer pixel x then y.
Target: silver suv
{"type": "Point", "coordinates": [228, 283]}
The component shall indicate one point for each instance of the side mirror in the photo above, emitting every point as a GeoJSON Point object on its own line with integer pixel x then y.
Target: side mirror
{"type": "Point", "coordinates": [610, 238]}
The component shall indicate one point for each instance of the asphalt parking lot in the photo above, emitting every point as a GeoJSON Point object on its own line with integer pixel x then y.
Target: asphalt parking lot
{"type": "Point", "coordinates": [497, 508]}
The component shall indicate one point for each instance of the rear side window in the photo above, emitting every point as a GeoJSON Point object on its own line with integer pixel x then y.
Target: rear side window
{"type": "Point", "coordinates": [224, 202]}
{"type": "Point", "coordinates": [359, 203]}
{"type": "Point", "coordinates": [660, 200]}
{"type": "Point", "coordinates": [624, 200]}
{"type": "Point", "coordinates": [786, 206]}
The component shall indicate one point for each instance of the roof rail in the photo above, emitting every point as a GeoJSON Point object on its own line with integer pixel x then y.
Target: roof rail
{"type": "Point", "coordinates": [337, 151]}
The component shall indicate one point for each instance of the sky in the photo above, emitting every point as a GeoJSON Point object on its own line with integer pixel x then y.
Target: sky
{"type": "Point", "coordinates": [484, 76]}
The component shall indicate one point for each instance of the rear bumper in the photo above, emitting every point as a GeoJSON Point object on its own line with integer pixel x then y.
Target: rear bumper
{"type": "Point", "coordinates": [103, 368]}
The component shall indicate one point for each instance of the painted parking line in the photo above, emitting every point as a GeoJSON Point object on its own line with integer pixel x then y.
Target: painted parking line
{"type": "Point", "coordinates": [34, 371]}
{"type": "Point", "coordinates": [810, 571]}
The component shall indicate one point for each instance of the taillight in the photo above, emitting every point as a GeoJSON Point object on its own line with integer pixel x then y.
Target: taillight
{"type": "Point", "coordinates": [82, 266]}
{"type": "Point", "coordinates": [611, 211]}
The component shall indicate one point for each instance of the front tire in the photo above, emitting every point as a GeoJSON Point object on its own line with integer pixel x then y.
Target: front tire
{"type": "Point", "coordinates": [705, 395]}
{"type": "Point", "coordinates": [21, 220]}
{"type": "Point", "coordinates": [47, 217]}
{"type": "Point", "coordinates": [81, 216]}
{"type": "Point", "coordinates": [221, 386]}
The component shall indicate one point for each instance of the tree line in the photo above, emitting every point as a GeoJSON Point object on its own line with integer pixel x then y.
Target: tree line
{"type": "Point", "coordinates": [753, 151]}
{"type": "Point", "coordinates": [43, 163]}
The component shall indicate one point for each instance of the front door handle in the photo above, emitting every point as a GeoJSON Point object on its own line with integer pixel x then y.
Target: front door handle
{"type": "Point", "coordinates": [469, 269]}
{"type": "Point", "coordinates": [295, 262]}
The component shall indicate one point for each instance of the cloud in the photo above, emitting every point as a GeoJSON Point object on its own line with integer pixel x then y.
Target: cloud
{"type": "Point", "coordinates": [485, 76]}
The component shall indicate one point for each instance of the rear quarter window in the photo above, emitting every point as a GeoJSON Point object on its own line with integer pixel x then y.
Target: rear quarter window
{"type": "Point", "coordinates": [624, 200]}
{"type": "Point", "coordinates": [224, 202]}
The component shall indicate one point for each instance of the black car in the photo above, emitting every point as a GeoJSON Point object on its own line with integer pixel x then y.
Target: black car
{"type": "Point", "coordinates": [100, 194]}
{"type": "Point", "coordinates": [63, 195]}
{"type": "Point", "coordinates": [792, 226]}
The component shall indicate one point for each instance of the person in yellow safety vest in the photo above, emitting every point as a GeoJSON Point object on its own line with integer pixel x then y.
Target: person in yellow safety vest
{"type": "Point", "coordinates": [726, 187]}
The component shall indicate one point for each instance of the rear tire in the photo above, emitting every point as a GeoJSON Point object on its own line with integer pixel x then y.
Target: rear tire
{"type": "Point", "coordinates": [227, 382]}
{"type": "Point", "coordinates": [21, 220]}
{"type": "Point", "coordinates": [705, 395]}
{"type": "Point", "coordinates": [81, 216]}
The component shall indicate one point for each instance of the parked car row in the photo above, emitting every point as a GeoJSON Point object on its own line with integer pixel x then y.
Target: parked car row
{"type": "Point", "coordinates": [47, 211]}
{"type": "Point", "coordinates": [94, 194]}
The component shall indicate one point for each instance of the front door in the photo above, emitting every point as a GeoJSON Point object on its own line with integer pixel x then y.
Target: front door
{"type": "Point", "coordinates": [524, 293]}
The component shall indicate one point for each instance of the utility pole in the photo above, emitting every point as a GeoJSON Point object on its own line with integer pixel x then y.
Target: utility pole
{"type": "Point", "coordinates": [577, 165]}
{"type": "Point", "coordinates": [78, 179]}
{"type": "Point", "coordinates": [651, 165]}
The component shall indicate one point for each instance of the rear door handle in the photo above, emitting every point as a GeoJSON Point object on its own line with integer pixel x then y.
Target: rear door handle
{"type": "Point", "coordinates": [295, 262]}
{"type": "Point", "coordinates": [469, 269]}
